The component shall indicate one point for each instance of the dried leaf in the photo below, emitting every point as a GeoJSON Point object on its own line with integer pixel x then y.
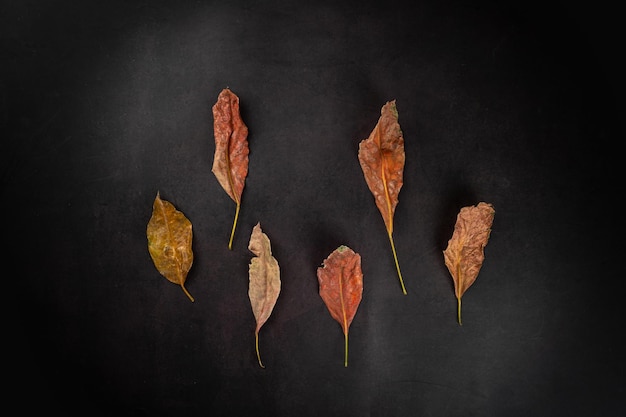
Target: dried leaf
{"type": "Point", "coordinates": [341, 287]}
{"type": "Point", "coordinates": [382, 159]}
{"type": "Point", "coordinates": [264, 281]}
{"type": "Point", "coordinates": [465, 253]}
{"type": "Point", "coordinates": [169, 242]}
{"type": "Point", "coordinates": [230, 161]}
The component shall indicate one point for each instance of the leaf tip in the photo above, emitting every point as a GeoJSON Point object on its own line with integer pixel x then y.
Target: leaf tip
{"type": "Point", "coordinates": [393, 108]}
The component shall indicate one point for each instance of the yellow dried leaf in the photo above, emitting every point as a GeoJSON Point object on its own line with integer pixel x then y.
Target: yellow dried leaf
{"type": "Point", "coordinates": [169, 242]}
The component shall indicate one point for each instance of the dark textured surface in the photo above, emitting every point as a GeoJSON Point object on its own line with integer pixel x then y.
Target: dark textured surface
{"type": "Point", "coordinates": [105, 103]}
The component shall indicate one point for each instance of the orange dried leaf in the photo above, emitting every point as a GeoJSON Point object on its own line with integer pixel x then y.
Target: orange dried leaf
{"type": "Point", "coordinates": [230, 161]}
{"type": "Point", "coordinates": [465, 253]}
{"type": "Point", "coordinates": [169, 242]}
{"type": "Point", "coordinates": [341, 287]}
{"type": "Point", "coordinates": [381, 156]}
{"type": "Point", "coordinates": [264, 285]}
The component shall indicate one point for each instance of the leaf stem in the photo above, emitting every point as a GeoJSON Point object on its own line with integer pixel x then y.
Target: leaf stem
{"type": "Point", "coordinates": [345, 361]}
{"type": "Point", "coordinates": [459, 310]}
{"type": "Point", "coordinates": [256, 343]}
{"type": "Point", "coordinates": [232, 232]}
{"type": "Point", "coordinates": [395, 258]}
{"type": "Point", "coordinates": [187, 292]}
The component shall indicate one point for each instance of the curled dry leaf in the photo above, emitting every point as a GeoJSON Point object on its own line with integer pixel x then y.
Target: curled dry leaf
{"type": "Point", "coordinates": [381, 156]}
{"type": "Point", "coordinates": [465, 253]}
{"type": "Point", "coordinates": [169, 242]}
{"type": "Point", "coordinates": [341, 287]}
{"type": "Point", "coordinates": [264, 286]}
{"type": "Point", "coordinates": [230, 161]}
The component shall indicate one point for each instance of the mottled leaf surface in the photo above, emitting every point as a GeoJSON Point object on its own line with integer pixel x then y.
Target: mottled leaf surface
{"type": "Point", "coordinates": [170, 235]}
{"type": "Point", "coordinates": [382, 157]}
{"type": "Point", "coordinates": [465, 252]}
{"type": "Point", "coordinates": [341, 287]}
{"type": "Point", "coordinates": [264, 275]}
{"type": "Point", "coordinates": [230, 160]}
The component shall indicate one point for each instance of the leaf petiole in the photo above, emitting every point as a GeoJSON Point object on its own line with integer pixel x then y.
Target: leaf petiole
{"type": "Point", "coordinates": [345, 362]}
{"type": "Point", "coordinates": [187, 292]}
{"type": "Point", "coordinates": [232, 232]}
{"type": "Point", "coordinates": [258, 354]}
{"type": "Point", "coordinates": [395, 258]}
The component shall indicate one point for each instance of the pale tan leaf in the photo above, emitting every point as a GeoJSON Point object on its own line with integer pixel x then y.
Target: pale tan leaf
{"type": "Point", "coordinates": [264, 276]}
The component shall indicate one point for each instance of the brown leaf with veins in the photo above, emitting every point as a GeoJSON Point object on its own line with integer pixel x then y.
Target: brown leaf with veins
{"type": "Point", "coordinates": [230, 161]}
{"type": "Point", "coordinates": [170, 236]}
{"type": "Point", "coordinates": [341, 287]}
{"type": "Point", "coordinates": [465, 253]}
{"type": "Point", "coordinates": [264, 285]}
{"type": "Point", "coordinates": [381, 156]}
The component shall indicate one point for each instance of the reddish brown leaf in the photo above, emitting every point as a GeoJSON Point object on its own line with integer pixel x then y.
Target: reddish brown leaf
{"type": "Point", "coordinates": [230, 161]}
{"type": "Point", "coordinates": [465, 253]}
{"type": "Point", "coordinates": [381, 156]}
{"type": "Point", "coordinates": [169, 242]}
{"type": "Point", "coordinates": [264, 286]}
{"type": "Point", "coordinates": [341, 287]}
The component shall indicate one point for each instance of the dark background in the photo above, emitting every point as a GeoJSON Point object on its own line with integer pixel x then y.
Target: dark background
{"type": "Point", "coordinates": [518, 104]}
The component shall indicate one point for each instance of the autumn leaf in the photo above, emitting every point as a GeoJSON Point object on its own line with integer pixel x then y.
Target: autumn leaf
{"type": "Point", "coordinates": [465, 253]}
{"type": "Point", "coordinates": [230, 161]}
{"type": "Point", "coordinates": [169, 242]}
{"type": "Point", "coordinates": [381, 156]}
{"type": "Point", "coordinates": [264, 285]}
{"type": "Point", "coordinates": [341, 287]}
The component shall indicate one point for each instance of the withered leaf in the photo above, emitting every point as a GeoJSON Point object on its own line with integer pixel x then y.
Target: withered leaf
{"type": "Point", "coordinates": [264, 287]}
{"type": "Point", "coordinates": [465, 253]}
{"type": "Point", "coordinates": [341, 287]}
{"type": "Point", "coordinates": [381, 156]}
{"type": "Point", "coordinates": [230, 161]}
{"type": "Point", "coordinates": [169, 242]}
